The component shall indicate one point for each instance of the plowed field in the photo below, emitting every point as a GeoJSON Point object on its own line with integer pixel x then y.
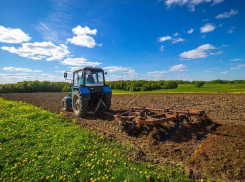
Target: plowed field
{"type": "Point", "coordinates": [213, 148]}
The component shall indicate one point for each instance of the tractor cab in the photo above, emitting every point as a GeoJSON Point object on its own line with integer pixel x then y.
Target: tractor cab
{"type": "Point", "coordinates": [88, 91]}
{"type": "Point", "coordinates": [90, 77]}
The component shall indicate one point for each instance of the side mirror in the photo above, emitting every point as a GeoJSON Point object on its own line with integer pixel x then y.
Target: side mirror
{"type": "Point", "coordinates": [65, 75]}
{"type": "Point", "coordinates": [105, 73]}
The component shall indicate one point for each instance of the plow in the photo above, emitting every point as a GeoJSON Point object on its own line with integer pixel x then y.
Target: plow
{"type": "Point", "coordinates": [145, 119]}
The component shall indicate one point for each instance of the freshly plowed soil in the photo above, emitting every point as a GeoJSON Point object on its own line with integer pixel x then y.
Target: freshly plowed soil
{"type": "Point", "coordinates": [211, 146]}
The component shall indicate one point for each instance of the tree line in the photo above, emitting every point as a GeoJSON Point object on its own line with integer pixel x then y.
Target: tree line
{"type": "Point", "coordinates": [142, 85]}
{"type": "Point", "coordinates": [127, 85]}
{"type": "Point", "coordinates": [35, 86]}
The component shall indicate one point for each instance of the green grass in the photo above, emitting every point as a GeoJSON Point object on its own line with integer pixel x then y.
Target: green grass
{"type": "Point", "coordinates": [36, 145]}
{"type": "Point", "coordinates": [189, 88]}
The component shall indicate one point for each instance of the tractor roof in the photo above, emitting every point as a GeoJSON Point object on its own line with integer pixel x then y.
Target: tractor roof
{"type": "Point", "coordinates": [89, 68]}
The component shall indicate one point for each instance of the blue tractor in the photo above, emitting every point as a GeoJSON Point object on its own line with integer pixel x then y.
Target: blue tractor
{"type": "Point", "coordinates": [89, 92]}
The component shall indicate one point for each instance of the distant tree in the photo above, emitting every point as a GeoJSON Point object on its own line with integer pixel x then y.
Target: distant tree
{"type": "Point", "coordinates": [35, 86]}
{"type": "Point", "coordinates": [198, 84]}
{"type": "Point", "coordinates": [66, 89]}
{"type": "Point", "coordinates": [170, 85]}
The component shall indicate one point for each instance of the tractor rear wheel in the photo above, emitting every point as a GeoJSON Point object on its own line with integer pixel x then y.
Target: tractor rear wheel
{"type": "Point", "coordinates": [80, 107]}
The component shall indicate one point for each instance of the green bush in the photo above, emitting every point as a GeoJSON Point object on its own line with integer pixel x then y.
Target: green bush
{"type": "Point", "coordinates": [170, 85]}
{"type": "Point", "coordinates": [199, 84]}
{"type": "Point", "coordinates": [66, 89]}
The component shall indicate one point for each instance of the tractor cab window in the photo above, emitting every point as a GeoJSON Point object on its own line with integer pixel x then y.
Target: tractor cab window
{"type": "Point", "coordinates": [94, 78]}
{"type": "Point", "coordinates": [78, 78]}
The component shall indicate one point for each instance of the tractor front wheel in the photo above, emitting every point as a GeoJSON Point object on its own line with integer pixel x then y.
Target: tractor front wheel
{"type": "Point", "coordinates": [65, 105]}
{"type": "Point", "coordinates": [80, 107]}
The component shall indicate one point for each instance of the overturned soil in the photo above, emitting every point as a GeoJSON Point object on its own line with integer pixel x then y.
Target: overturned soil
{"type": "Point", "coordinates": [211, 146]}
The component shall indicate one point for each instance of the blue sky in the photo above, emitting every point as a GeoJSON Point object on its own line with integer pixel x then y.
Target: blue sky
{"type": "Point", "coordinates": [150, 39]}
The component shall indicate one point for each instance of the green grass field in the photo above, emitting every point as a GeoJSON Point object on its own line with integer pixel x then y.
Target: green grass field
{"type": "Point", "coordinates": [36, 145]}
{"type": "Point", "coordinates": [189, 88]}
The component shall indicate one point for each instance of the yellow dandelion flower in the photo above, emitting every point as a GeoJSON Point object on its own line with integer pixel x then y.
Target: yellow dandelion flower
{"type": "Point", "coordinates": [78, 172]}
{"type": "Point", "coordinates": [51, 176]}
{"type": "Point", "coordinates": [47, 177]}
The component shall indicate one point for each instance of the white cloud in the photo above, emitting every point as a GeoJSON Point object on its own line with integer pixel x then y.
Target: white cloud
{"type": "Point", "coordinates": [190, 31]}
{"type": "Point", "coordinates": [40, 50]}
{"type": "Point", "coordinates": [221, 25]}
{"type": "Point", "coordinates": [174, 41]}
{"type": "Point", "coordinates": [224, 72]}
{"type": "Point", "coordinates": [157, 75]}
{"type": "Point", "coordinates": [165, 38]}
{"type": "Point", "coordinates": [59, 71]}
{"type": "Point", "coordinates": [241, 65]}
{"type": "Point", "coordinates": [200, 52]}
{"type": "Point", "coordinates": [214, 68]}
{"type": "Point", "coordinates": [161, 48]}
{"type": "Point", "coordinates": [178, 67]}
{"type": "Point", "coordinates": [190, 3]}
{"type": "Point", "coordinates": [217, 2]}
{"type": "Point", "coordinates": [120, 70]}
{"type": "Point", "coordinates": [207, 28]}
{"type": "Point", "coordinates": [231, 30]}
{"type": "Point", "coordinates": [56, 67]}
{"type": "Point", "coordinates": [216, 53]}
{"type": "Point", "coordinates": [14, 78]}
{"type": "Point", "coordinates": [204, 20]}
{"type": "Point", "coordinates": [238, 67]}
{"type": "Point", "coordinates": [176, 34]}
{"type": "Point", "coordinates": [48, 75]}
{"type": "Point", "coordinates": [82, 62]}
{"type": "Point", "coordinates": [3, 74]}
{"type": "Point", "coordinates": [236, 59]}
{"type": "Point", "coordinates": [210, 70]}
{"type": "Point", "coordinates": [122, 73]}
{"type": "Point", "coordinates": [227, 14]}
{"type": "Point", "coordinates": [82, 37]}
{"type": "Point", "coordinates": [20, 69]}
{"type": "Point", "coordinates": [11, 35]}
{"type": "Point", "coordinates": [224, 45]}
{"type": "Point", "coordinates": [156, 72]}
